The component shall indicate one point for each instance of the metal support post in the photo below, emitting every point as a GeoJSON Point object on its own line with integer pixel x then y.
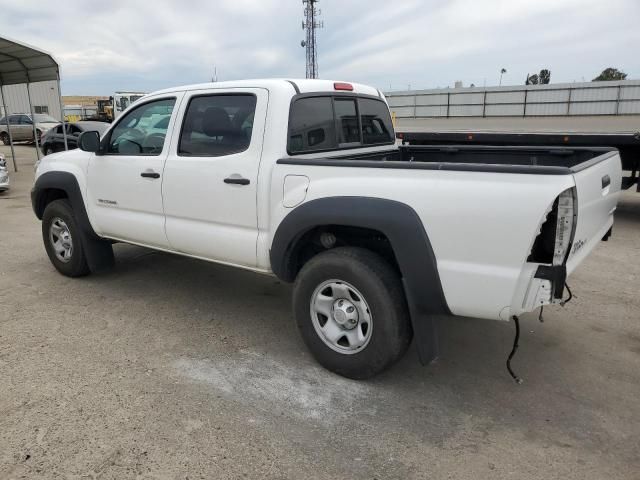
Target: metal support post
{"type": "Point", "coordinates": [6, 115]}
{"type": "Point", "coordinates": [33, 122]}
{"type": "Point", "coordinates": [64, 127]}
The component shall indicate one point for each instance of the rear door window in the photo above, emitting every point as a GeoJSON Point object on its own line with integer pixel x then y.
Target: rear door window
{"type": "Point", "coordinates": [217, 125]}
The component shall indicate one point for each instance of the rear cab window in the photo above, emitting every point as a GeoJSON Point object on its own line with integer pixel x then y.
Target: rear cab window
{"type": "Point", "coordinates": [326, 122]}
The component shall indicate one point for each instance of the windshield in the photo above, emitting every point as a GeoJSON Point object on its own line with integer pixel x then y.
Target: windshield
{"type": "Point", "coordinates": [42, 118]}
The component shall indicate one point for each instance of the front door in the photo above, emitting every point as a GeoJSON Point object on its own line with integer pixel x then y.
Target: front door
{"type": "Point", "coordinates": [125, 177]}
{"type": "Point", "coordinates": [211, 175]}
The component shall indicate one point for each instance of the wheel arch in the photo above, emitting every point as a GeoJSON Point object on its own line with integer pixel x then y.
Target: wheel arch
{"type": "Point", "coordinates": [408, 240]}
{"type": "Point", "coordinates": [57, 185]}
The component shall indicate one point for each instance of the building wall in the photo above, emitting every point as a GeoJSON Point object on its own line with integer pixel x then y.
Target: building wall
{"type": "Point", "coordinates": [42, 94]}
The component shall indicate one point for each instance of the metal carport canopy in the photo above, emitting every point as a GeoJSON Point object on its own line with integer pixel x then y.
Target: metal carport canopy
{"type": "Point", "coordinates": [23, 64]}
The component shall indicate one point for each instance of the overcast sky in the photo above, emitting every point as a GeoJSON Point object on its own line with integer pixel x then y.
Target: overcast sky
{"type": "Point", "coordinates": [104, 46]}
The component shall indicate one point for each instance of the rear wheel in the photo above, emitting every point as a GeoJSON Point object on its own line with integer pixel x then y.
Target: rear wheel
{"type": "Point", "coordinates": [49, 150]}
{"type": "Point", "coordinates": [351, 311]}
{"type": "Point", "coordinates": [4, 137]}
{"type": "Point", "coordinates": [63, 239]}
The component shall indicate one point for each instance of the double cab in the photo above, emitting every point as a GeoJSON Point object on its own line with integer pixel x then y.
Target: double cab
{"type": "Point", "coordinates": [303, 180]}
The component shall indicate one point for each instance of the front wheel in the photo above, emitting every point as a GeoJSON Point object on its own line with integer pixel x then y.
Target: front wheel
{"type": "Point", "coordinates": [351, 311]}
{"type": "Point", "coordinates": [4, 137]}
{"type": "Point", "coordinates": [63, 239]}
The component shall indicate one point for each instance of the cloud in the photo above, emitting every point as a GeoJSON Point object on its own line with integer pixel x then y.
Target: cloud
{"type": "Point", "coordinates": [142, 45]}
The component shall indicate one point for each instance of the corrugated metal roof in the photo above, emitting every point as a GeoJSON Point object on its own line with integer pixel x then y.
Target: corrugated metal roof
{"type": "Point", "coordinates": [22, 63]}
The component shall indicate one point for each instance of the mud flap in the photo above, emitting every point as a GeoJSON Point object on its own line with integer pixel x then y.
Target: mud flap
{"type": "Point", "coordinates": [425, 329]}
{"type": "Point", "coordinates": [99, 253]}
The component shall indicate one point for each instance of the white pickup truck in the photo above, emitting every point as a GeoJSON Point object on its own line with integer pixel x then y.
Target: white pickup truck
{"type": "Point", "coordinates": [303, 180]}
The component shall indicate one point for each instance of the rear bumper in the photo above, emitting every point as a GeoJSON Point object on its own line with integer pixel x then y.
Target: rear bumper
{"type": "Point", "coordinates": [556, 275]}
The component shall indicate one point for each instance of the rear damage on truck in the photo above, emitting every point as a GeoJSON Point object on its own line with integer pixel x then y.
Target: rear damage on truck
{"type": "Point", "coordinates": [579, 218]}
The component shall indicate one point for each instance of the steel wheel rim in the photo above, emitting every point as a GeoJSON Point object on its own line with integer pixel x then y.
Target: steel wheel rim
{"type": "Point", "coordinates": [341, 316]}
{"type": "Point", "coordinates": [60, 239]}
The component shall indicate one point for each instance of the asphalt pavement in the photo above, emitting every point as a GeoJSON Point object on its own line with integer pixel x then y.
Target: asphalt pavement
{"type": "Point", "coordinates": [172, 368]}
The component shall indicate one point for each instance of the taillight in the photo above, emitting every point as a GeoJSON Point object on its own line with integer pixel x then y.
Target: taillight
{"type": "Point", "coordinates": [343, 86]}
{"type": "Point", "coordinates": [565, 225]}
{"type": "Point", "coordinates": [555, 233]}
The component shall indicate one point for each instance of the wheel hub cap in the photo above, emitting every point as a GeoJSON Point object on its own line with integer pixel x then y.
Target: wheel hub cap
{"type": "Point", "coordinates": [345, 313]}
{"type": "Point", "coordinates": [61, 241]}
{"type": "Point", "coordinates": [341, 316]}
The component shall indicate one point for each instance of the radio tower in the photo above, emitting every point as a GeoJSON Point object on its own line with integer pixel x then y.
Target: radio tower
{"type": "Point", "coordinates": [309, 25]}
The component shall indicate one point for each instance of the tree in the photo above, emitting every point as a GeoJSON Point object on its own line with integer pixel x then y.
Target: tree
{"type": "Point", "coordinates": [542, 78]}
{"type": "Point", "coordinates": [610, 74]}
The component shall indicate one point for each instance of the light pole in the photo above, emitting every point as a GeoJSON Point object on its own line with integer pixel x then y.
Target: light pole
{"type": "Point", "coordinates": [502, 72]}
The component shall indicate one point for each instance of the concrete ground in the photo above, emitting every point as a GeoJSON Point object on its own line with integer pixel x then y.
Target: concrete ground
{"type": "Point", "coordinates": [173, 368]}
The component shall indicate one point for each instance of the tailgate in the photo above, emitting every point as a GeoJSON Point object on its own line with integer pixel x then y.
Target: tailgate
{"type": "Point", "coordinates": [598, 188]}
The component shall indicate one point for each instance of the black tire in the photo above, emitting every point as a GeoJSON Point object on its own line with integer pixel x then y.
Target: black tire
{"type": "Point", "coordinates": [4, 137]}
{"type": "Point", "coordinates": [381, 287]}
{"type": "Point", "coordinates": [76, 265]}
{"type": "Point", "coordinates": [49, 150]}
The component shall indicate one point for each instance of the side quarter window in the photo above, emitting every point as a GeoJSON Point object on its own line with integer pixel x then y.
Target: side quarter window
{"type": "Point", "coordinates": [143, 130]}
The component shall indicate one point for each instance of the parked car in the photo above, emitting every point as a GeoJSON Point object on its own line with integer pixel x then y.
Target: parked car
{"type": "Point", "coordinates": [53, 140]}
{"type": "Point", "coordinates": [382, 241]}
{"type": "Point", "coordinates": [22, 126]}
{"type": "Point", "coordinates": [4, 174]}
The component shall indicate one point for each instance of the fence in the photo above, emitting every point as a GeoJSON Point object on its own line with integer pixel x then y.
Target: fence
{"type": "Point", "coordinates": [75, 113]}
{"type": "Point", "coordinates": [593, 98]}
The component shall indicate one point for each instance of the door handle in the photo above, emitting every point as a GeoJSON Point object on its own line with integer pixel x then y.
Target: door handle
{"type": "Point", "coordinates": [606, 181]}
{"type": "Point", "coordinates": [150, 174]}
{"type": "Point", "coordinates": [237, 180]}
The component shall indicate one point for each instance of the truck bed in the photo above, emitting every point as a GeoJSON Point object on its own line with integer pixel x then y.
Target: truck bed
{"type": "Point", "coordinates": [505, 159]}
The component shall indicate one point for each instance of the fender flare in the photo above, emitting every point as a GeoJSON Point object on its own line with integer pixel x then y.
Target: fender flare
{"type": "Point", "coordinates": [409, 241]}
{"type": "Point", "coordinates": [98, 251]}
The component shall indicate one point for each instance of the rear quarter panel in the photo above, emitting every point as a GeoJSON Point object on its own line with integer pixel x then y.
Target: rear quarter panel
{"type": "Point", "coordinates": [481, 225]}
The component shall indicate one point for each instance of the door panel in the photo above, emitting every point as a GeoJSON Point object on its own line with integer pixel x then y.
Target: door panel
{"type": "Point", "coordinates": [125, 204]}
{"type": "Point", "coordinates": [20, 131]}
{"type": "Point", "coordinates": [210, 177]}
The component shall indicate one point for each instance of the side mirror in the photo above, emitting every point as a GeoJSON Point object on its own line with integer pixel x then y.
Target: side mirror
{"type": "Point", "coordinates": [89, 141]}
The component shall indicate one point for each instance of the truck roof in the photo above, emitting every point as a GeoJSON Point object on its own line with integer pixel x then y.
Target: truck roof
{"type": "Point", "coordinates": [304, 85]}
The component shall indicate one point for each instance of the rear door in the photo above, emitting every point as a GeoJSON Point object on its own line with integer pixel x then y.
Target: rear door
{"type": "Point", "coordinates": [598, 189]}
{"type": "Point", "coordinates": [21, 128]}
{"type": "Point", "coordinates": [210, 177]}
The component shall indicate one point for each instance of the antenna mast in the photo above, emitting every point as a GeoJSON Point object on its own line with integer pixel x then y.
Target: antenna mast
{"type": "Point", "coordinates": [309, 25]}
